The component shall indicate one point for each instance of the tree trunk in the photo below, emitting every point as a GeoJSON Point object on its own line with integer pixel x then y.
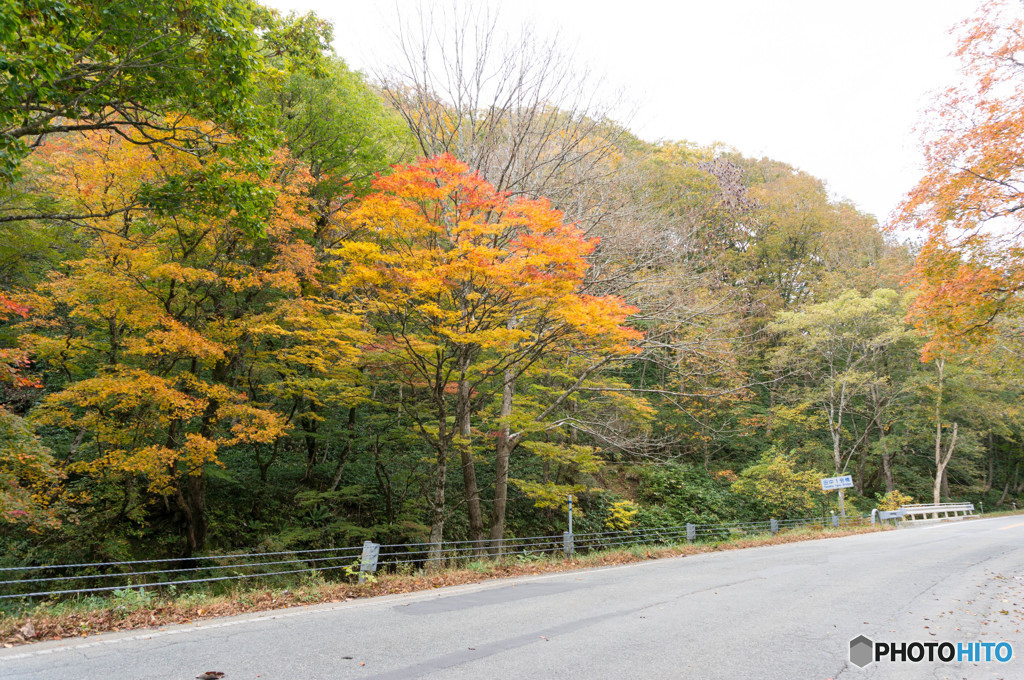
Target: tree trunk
{"type": "Point", "coordinates": [476, 516]}
{"type": "Point", "coordinates": [890, 483]}
{"type": "Point", "coordinates": [1006, 491]}
{"type": "Point", "coordinates": [503, 451]}
{"type": "Point", "coordinates": [862, 468]}
{"type": "Point", "coordinates": [835, 413]}
{"type": "Point", "coordinates": [941, 461]}
{"type": "Point", "coordinates": [309, 432]}
{"type": "Point", "coordinates": [942, 458]}
{"type": "Point", "coordinates": [264, 466]}
{"type": "Point", "coordinates": [346, 449]}
{"type": "Point", "coordinates": [887, 456]}
{"type": "Point", "coordinates": [837, 455]}
{"type": "Point", "coordinates": [190, 491]}
{"type": "Point", "coordinates": [990, 472]}
{"type": "Point", "coordinates": [436, 500]}
{"type": "Point", "coordinates": [190, 495]}
{"type": "Point", "coordinates": [384, 483]}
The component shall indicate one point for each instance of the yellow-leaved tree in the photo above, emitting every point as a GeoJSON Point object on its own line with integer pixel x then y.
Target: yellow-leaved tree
{"type": "Point", "coordinates": [191, 326]}
{"type": "Point", "coordinates": [775, 483]}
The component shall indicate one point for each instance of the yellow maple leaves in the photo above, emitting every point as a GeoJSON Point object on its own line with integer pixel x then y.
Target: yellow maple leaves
{"type": "Point", "coordinates": [153, 325]}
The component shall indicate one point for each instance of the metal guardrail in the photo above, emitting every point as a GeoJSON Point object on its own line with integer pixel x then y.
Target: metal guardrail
{"type": "Point", "coordinates": [920, 511]}
{"type": "Point", "coordinates": [118, 578]}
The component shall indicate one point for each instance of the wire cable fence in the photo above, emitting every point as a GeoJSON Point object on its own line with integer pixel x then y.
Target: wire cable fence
{"type": "Point", "coordinates": [56, 580]}
{"type": "Point", "coordinates": [459, 553]}
{"type": "Point", "coordinates": [285, 567]}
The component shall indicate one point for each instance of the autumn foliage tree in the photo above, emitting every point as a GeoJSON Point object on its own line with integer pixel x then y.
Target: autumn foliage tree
{"type": "Point", "coordinates": [181, 333]}
{"type": "Point", "coordinates": [467, 289]}
{"type": "Point", "coordinates": [28, 477]}
{"type": "Point", "coordinates": [968, 203]}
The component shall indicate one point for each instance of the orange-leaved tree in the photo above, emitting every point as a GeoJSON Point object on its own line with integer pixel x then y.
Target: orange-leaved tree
{"type": "Point", "coordinates": [467, 289]}
{"type": "Point", "coordinates": [13, 361]}
{"type": "Point", "coordinates": [969, 202]}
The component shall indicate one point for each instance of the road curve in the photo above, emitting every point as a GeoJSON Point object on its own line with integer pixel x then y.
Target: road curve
{"type": "Point", "coordinates": [785, 611]}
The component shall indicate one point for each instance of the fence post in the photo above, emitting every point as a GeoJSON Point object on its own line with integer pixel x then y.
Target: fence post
{"type": "Point", "coordinates": [835, 521]}
{"type": "Point", "coordinates": [773, 526]}
{"type": "Point", "coordinates": [568, 546]}
{"type": "Point", "coordinates": [691, 532]}
{"type": "Point", "coordinates": [368, 560]}
{"type": "Point", "coordinates": [570, 513]}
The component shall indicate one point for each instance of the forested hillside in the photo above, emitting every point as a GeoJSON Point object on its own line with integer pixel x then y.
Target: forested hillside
{"type": "Point", "coordinates": [250, 297]}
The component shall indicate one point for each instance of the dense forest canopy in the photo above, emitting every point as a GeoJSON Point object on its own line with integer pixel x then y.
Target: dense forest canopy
{"type": "Point", "coordinates": [250, 297]}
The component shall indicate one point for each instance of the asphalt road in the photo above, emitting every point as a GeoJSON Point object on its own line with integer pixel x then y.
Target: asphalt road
{"type": "Point", "coordinates": [786, 611]}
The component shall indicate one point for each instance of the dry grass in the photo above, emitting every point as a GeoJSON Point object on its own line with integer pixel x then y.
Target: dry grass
{"type": "Point", "coordinates": [74, 619]}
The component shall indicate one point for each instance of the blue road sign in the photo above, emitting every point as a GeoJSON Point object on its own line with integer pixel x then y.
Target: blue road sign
{"type": "Point", "coordinates": [829, 483]}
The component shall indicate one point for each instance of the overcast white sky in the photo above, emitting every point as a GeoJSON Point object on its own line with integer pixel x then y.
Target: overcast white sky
{"type": "Point", "coordinates": [833, 88]}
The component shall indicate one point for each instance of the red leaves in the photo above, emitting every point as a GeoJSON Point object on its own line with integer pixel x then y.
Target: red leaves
{"type": "Point", "coordinates": [8, 307]}
{"type": "Point", "coordinates": [14, 361]}
{"type": "Point", "coordinates": [442, 179]}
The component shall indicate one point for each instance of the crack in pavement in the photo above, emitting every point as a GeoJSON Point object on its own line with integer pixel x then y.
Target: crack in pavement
{"type": "Point", "coordinates": [483, 650]}
{"type": "Point", "coordinates": [447, 661]}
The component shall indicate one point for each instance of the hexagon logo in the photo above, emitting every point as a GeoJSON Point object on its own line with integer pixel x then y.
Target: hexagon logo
{"type": "Point", "coordinates": [862, 651]}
